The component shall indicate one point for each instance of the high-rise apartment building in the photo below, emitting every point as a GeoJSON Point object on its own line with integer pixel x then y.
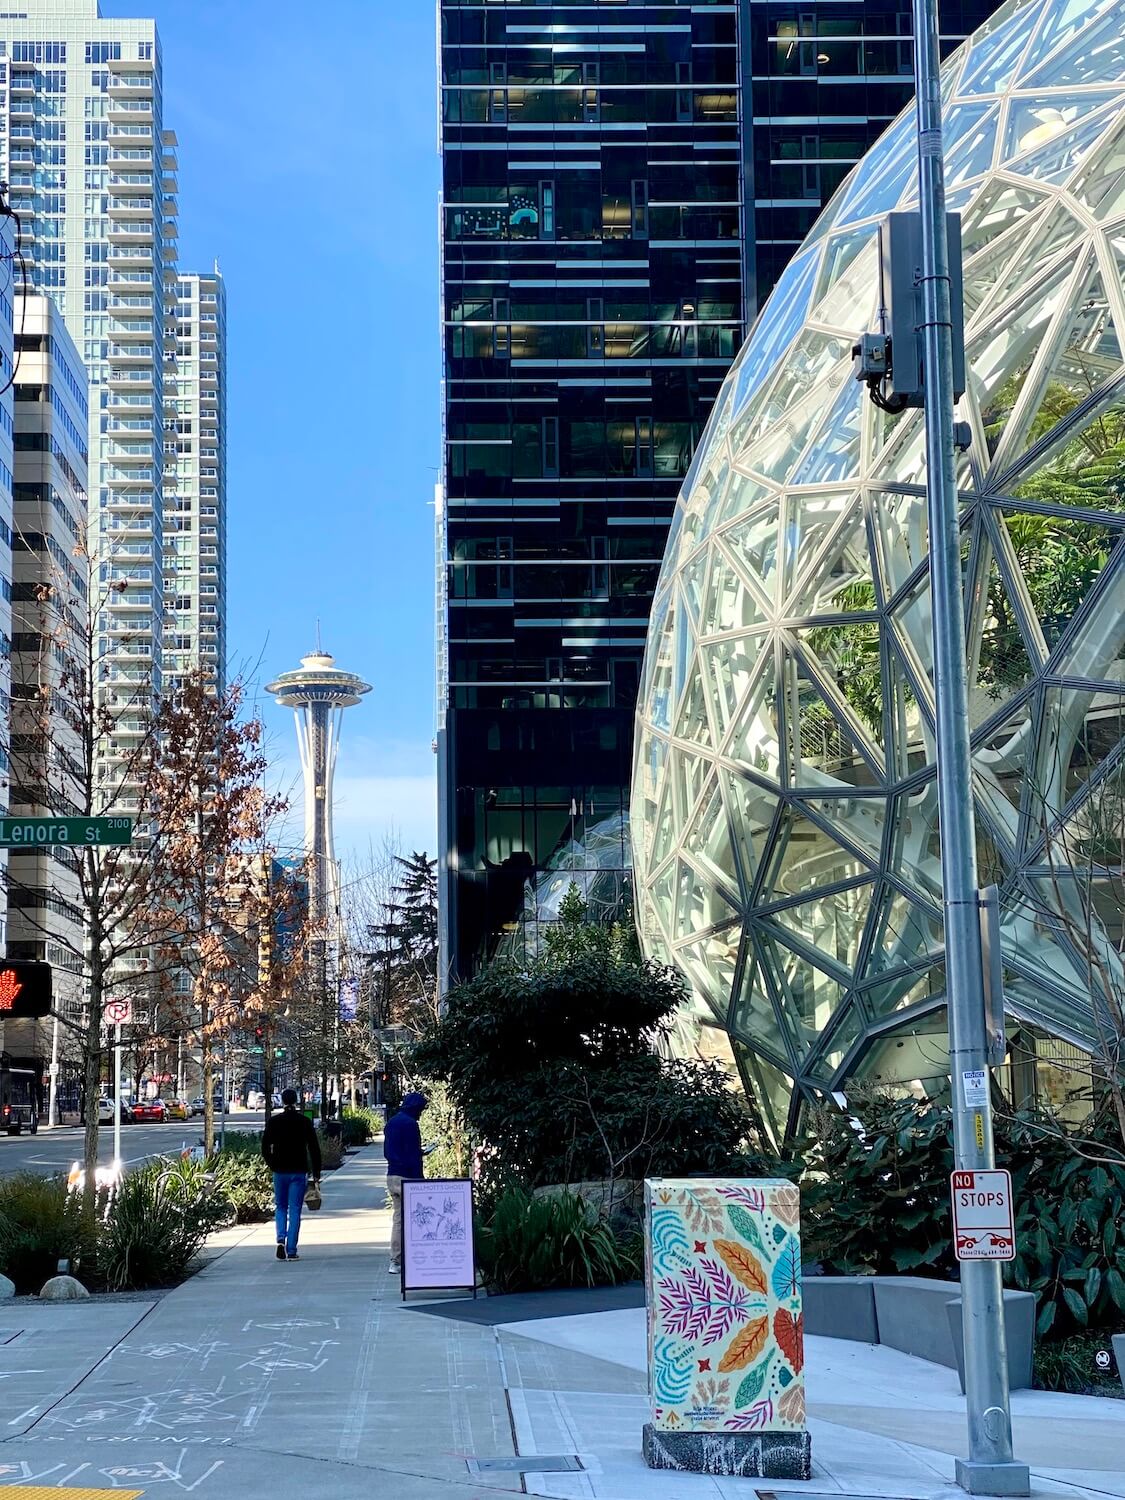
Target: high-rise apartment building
{"type": "Point", "coordinates": [195, 478]}
{"type": "Point", "coordinates": [622, 184]}
{"type": "Point", "coordinates": [7, 464]}
{"type": "Point", "coordinates": [49, 518]}
{"type": "Point", "coordinates": [91, 172]}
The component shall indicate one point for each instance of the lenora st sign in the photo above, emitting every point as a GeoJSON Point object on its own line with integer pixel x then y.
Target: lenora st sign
{"type": "Point", "coordinates": [21, 833]}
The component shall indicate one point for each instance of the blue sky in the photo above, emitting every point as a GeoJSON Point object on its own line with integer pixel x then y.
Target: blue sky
{"type": "Point", "coordinates": [309, 169]}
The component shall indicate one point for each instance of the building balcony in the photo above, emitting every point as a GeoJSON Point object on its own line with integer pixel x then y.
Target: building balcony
{"type": "Point", "coordinates": [21, 83]}
{"type": "Point", "coordinates": [126, 111]}
{"type": "Point", "coordinates": [135, 331]}
{"type": "Point", "coordinates": [131, 354]}
{"type": "Point", "coordinates": [130, 86]}
{"type": "Point", "coordinates": [128, 135]}
{"type": "Point", "coordinates": [130, 232]}
{"type": "Point", "coordinates": [133, 157]}
{"type": "Point", "coordinates": [141, 205]}
{"type": "Point", "coordinates": [118, 476]}
{"type": "Point", "coordinates": [130, 403]}
{"type": "Point", "coordinates": [131, 257]}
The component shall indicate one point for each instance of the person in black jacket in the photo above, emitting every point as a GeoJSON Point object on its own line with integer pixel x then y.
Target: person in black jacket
{"type": "Point", "coordinates": [292, 1151]}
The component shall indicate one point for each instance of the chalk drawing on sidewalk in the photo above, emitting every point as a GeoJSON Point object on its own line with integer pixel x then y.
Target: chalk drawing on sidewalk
{"type": "Point", "coordinates": [177, 1350]}
{"type": "Point", "coordinates": [124, 1477]}
{"type": "Point", "coordinates": [162, 1409]}
{"type": "Point", "coordinates": [292, 1323]}
{"type": "Point", "coordinates": [281, 1356]}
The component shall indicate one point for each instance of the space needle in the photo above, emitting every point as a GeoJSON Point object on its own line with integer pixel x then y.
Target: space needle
{"type": "Point", "coordinates": [318, 692]}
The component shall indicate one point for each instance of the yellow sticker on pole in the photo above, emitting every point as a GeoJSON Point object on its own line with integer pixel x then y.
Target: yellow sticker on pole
{"type": "Point", "coordinates": [978, 1127]}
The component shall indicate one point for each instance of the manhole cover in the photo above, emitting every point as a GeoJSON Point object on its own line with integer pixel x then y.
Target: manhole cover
{"type": "Point", "coordinates": [528, 1463]}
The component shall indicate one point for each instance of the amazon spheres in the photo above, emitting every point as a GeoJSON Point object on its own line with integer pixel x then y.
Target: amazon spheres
{"type": "Point", "coordinates": [785, 829]}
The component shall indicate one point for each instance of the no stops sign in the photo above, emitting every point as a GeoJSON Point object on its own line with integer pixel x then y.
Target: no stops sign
{"type": "Point", "coordinates": [983, 1218]}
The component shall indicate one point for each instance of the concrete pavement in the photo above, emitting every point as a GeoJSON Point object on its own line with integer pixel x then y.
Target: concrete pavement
{"type": "Point", "coordinates": [270, 1381]}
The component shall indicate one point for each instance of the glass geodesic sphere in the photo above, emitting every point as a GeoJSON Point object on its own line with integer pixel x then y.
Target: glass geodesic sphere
{"type": "Point", "coordinates": [785, 831]}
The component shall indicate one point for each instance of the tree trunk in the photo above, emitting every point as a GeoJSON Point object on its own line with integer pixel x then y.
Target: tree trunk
{"type": "Point", "coordinates": [91, 1092]}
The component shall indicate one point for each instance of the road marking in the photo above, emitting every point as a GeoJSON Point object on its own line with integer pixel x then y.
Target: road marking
{"type": "Point", "coordinates": [35, 1492]}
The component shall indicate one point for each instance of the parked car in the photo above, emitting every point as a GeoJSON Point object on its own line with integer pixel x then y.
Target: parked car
{"type": "Point", "coordinates": [255, 1099]}
{"type": "Point", "coordinates": [197, 1106]}
{"type": "Point", "coordinates": [149, 1111]}
{"type": "Point", "coordinates": [105, 1111]}
{"type": "Point", "coordinates": [177, 1109]}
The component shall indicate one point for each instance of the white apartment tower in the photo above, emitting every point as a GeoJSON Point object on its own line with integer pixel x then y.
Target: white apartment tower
{"type": "Point", "coordinates": [195, 478]}
{"type": "Point", "coordinates": [91, 173]}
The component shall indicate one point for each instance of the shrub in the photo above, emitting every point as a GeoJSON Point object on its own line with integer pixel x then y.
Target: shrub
{"type": "Point", "coordinates": [1071, 1365]}
{"type": "Point", "coordinates": [529, 1244]}
{"type": "Point", "coordinates": [153, 1231]}
{"type": "Point", "coordinates": [1070, 1248]}
{"type": "Point", "coordinates": [361, 1126]}
{"type": "Point", "coordinates": [246, 1182]}
{"type": "Point", "coordinates": [331, 1150]}
{"type": "Point", "coordinates": [40, 1224]}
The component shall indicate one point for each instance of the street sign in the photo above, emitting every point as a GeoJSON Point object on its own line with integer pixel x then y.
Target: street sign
{"type": "Point", "coordinates": [23, 833]}
{"type": "Point", "coordinates": [119, 1012]}
{"type": "Point", "coordinates": [983, 1220]}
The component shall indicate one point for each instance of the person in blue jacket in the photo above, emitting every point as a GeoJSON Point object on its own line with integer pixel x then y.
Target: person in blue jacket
{"type": "Point", "coordinates": [402, 1146]}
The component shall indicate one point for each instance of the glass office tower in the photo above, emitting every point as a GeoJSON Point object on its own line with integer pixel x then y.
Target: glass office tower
{"type": "Point", "coordinates": [622, 183]}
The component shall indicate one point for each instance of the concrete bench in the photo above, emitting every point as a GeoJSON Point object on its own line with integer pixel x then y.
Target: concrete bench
{"type": "Point", "coordinates": [917, 1316]}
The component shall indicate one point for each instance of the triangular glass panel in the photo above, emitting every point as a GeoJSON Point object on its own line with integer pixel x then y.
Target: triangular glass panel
{"type": "Point", "coordinates": [823, 748]}
{"type": "Point", "coordinates": [808, 521]}
{"type": "Point", "coordinates": [1084, 464]}
{"type": "Point", "coordinates": [777, 324]}
{"type": "Point", "coordinates": [659, 662]}
{"type": "Point", "coordinates": [663, 890]}
{"type": "Point", "coordinates": [904, 459]}
{"type": "Point", "coordinates": [692, 720]}
{"type": "Point", "coordinates": [1030, 929]}
{"type": "Point", "coordinates": [727, 668]}
{"type": "Point", "coordinates": [1002, 353]}
{"type": "Point", "coordinates": [843, 581]}
{"type": "Point", "coordinates": [688, 773]}
{"type": "Point", "coordinates": [1061, 558]}
{"type": "Point", "coordinates": [997, 207]}
{"type": "Point", "coordinates": [831, 923]}
{"type": "Point", "coordinates": [833, 454]}
{"type": "Point", "coordinates": [829, 1056]}
{"type": "Point", "coordinates": [840, 252]}
{"type": "Point", "coordinates": [745, 493]}
{"type": "Point", "coordinates": [699, 904]}
{"type": "Point", "coordinates": [805, 856]}
{"type": "Point", "coordinates": [887, 168]}
{"type": "Point", "coordinates": [914, 629]}
{"type": "Point", "coordinates": [1081, 730]}
{"type": "Point", "coordinates": [791, 428]}
{"type": "Point", "coordinates": [1089, 355]}
{"type": "Point", "coordinates": [751, 810]}
{"type": "Point", "coordinates": [916, 840]}
{"type": "Point", "coordinates": [996, 273]}
{"type": "Point", "coordinates": [1049, 136]}
{"type": "Point", "coordinates": [808, 998]}
{"type": "Point", "coordinates": [812, 357]}
{"type": "Point", "coordinates": [708, 840]}
{"type": "Point", "coordinates": [1101, 183]}
{"type": "Point", "coordinates": [1097, 650]}
{"type": "Point", "coordinates": [755, 739]}
{"type": "Point", "coordinates": [999, 660]}
{"type": "Point", "coordinates": [754, 1016]}
{"type": "Point", "coordinates": [996, 49]}
{"type": "Point", "coordinates": [692, 578]}
{"type": "Point", "coordinates": [1000, 762]}
{"type": "Point", "coordinates": [852, 301]}
{"type": "Point", "coordinates": [971, 154]}
{"type": "Point", "coordinates": [663, 828]}
{"type": "Point", "coordinates": [709, 494]}
{"type": "Point", "coordinates": [906, 933]}
{"type": "Point", "coordinates": [754, 542]}
{"type": "Point", "coordinates": [771, 1092]}
{"type": "Point", "coordinates": [1061, 20]}
{"type": "Point", "coordinates": [848, 656]}
{"type": "Point", "coordinates": [899, 992]}
{"type": "Point", "coordinates": [1100, 59]}
{"type": "Point", "coordinates": [730, 603]}
{"type": "Point", "coordinates": [711, 964]}
{"type": "Point", "coordinates": [913, 745]}
{"type": "Point", "coordinates": [858, 822]}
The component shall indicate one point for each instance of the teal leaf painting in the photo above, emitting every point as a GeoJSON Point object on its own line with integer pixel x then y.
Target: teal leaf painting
{"type": "Point", "coordinates": [787, 1271]}
{"type": "Point", "coordinates": [753, 1381]}
{"type": "Point", "coordinates": [746, 1227]}
{"type": "Point", "coordinates": [669, 1241]}
{"type": "Point", "coordinates": [672, 1370]}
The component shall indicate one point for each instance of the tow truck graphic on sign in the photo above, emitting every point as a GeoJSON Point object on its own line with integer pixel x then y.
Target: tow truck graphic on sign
{"type": "Point", "coordinates": [983, 1223]}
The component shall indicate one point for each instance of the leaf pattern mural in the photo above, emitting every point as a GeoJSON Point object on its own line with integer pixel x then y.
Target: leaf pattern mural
{"type": "Point", "coordinates": [723, 1286]}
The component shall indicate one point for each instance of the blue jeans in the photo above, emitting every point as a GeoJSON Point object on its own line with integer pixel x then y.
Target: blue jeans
{"type": "Point", "coordinates": [289, 1197]}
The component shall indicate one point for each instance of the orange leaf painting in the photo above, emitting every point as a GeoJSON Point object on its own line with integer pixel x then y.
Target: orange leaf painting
{"type": "Point", "coordinates": [745, 1348]}
{"type": "Point", "coordinates": [789, 1331]}
{"type": "Point", "coordinates": [742, 1265]}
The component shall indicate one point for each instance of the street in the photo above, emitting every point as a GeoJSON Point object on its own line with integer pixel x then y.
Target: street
{"type": "Point", "coordinates": [53, 1151]}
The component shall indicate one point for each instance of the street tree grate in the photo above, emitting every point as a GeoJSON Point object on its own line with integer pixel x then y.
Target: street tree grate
{"type": "Point", "coordinates": [529, 1463]}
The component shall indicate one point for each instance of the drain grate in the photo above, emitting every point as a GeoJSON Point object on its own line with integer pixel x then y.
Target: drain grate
{"type": "Point", "coordinates": [528, 1463]}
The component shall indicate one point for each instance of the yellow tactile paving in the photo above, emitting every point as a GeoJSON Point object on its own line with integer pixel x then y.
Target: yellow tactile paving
{"type": "Point", "coordinates": [36, 1492]}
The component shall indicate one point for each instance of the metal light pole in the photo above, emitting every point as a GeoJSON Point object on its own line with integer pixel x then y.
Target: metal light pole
{"type": "Point", "coordinates": [53, 1095]}
{"type": "Point", "coordinates": [990, 1468]}
{"type": "Point", "coordinates": [117, 1096]}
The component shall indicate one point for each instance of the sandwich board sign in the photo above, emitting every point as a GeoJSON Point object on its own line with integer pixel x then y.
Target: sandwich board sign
{"type": "Point", "coordinates": [983, 1217]}
{"type": "Point", "coordinates": [437, 1236]}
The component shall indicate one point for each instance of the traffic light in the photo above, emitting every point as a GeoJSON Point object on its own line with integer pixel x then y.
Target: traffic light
{"type": "Point", "coordinates": [25, 989]}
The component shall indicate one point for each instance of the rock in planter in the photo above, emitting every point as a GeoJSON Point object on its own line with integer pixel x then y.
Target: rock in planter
{"type": "Point", "coordinates": [7, 1289]}
{"type": "Point", "coordinates": [63, 1289]}
{"type": "Point", "coordinates": [620, 1200]}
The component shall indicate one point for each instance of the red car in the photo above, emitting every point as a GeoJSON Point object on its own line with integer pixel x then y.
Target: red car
{"type": "Point", "coordinates": [149, 1111]}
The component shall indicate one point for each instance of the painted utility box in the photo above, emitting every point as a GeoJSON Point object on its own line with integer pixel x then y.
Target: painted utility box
{"type": "Point", "coordinates": [725, 1327]}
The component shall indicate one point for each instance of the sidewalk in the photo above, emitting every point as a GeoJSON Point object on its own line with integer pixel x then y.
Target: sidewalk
{"type": "Point", "coordinates": [270, 1381]}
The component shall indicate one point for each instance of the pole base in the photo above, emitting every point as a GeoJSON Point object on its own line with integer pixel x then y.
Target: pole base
{"type": "Point", "coordinates": [993, 1479]}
